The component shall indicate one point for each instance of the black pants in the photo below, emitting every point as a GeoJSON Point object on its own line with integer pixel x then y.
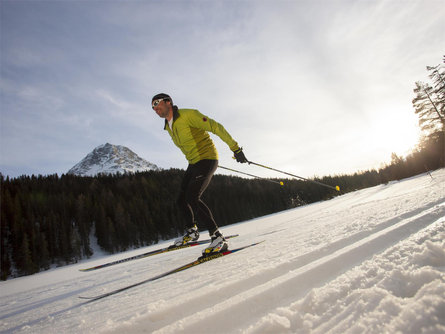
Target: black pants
{"type": "Point", "coordinates": [196, 179]}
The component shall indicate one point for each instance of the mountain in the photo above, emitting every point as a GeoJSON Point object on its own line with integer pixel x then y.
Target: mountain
{"type": "Point", "coordinates": [111, 159]}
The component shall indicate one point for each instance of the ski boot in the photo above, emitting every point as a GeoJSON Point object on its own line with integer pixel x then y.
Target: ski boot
{"type": "Point", "coordinates": [217, 245]}
{"type": "Point", "coordinates": [191, 234]}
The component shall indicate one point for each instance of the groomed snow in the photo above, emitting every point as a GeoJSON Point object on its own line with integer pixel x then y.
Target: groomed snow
{"type": "Point", "coordinates": [372, 261]}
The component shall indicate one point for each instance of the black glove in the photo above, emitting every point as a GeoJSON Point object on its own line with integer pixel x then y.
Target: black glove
{"type": "Point", "coordinates": [240, 157]}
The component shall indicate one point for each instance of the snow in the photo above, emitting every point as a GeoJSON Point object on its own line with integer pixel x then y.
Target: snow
{"type": "Point", "coordinates": [371, 261]}
{"type": "Point", "coordinates": [111, 159]}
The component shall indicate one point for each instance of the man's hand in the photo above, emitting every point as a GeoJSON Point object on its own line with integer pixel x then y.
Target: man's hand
{"type": "Point", "coordinates": [240, 157]}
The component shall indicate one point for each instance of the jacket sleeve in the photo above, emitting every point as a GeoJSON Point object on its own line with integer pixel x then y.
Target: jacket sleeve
{"type": "Point", "coordinates": [198, 120]}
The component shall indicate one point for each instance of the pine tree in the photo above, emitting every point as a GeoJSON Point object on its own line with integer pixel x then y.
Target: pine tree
{"type": "Point", "coordinates": [5, 249]}
{"type": "Point", "coordinates": [25, 264]}
{"type": "Point", "coordinates": [437, 75]}
{"type": "Point", "coordinates": [83, 221]}
{"type": "Point", "coordinates": [44, 257]}
{"type": "Point", "coordinates": [429, 103]}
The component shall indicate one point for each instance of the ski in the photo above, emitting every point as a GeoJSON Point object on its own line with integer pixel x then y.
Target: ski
{"type": "Point", "coordinates": [155, 252]}
{"type": "Point", "coordinates": [195, 263]}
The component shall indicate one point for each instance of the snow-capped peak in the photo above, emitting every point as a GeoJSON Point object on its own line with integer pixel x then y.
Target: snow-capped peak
{"type": "Point", "coordinates": [111, 159]}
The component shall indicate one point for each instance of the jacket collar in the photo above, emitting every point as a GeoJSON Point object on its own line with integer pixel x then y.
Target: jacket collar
{"type": "Point", "coordinates": [175, 116]}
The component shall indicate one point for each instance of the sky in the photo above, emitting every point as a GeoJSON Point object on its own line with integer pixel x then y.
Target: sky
{"type": "Point", "coordinates": [313, 88]}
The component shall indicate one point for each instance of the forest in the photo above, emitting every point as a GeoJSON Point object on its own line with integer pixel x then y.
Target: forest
{"type": "Point", "coordinates": [49, 221]}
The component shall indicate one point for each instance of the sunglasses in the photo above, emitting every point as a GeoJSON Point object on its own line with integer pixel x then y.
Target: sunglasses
{"type": "Point", "coordinates": [156, 102]}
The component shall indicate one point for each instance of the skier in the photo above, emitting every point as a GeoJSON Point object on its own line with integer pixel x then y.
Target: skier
{"type": "Point", "coordinates": [188, 129]}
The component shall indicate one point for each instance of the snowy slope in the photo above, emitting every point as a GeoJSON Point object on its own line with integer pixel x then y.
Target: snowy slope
{"type": "Point", "coordinates": [372, 261]}
{"type": "Point", "coordinates": [111, 159]}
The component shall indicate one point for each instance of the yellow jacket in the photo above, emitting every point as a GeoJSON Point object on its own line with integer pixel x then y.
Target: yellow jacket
{"type": "Point", "coordinates": [189, 133]}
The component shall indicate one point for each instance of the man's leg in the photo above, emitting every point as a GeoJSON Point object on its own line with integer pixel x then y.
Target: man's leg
{"type": "Point", "coordinates": [184, 207]}
{"type": "Point", "coordinates": [194, 186]}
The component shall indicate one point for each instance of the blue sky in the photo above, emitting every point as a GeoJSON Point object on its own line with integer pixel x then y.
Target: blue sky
{"type": "Point", "coordinates": [310, 87]}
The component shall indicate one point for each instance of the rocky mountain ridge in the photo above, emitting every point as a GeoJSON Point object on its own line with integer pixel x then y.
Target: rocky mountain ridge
{"type": "Point", "coordinates": [111, 159]}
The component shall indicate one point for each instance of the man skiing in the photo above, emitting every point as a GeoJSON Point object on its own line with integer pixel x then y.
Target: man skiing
{"type": "Point", "coordinates": [189, 129]}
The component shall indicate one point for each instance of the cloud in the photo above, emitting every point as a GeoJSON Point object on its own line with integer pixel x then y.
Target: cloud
{"type": "Point", "coordinates": [296, 83]}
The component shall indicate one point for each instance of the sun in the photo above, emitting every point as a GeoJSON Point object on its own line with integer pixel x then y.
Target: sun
{"type": "Point", "coordinates": [395, 131]}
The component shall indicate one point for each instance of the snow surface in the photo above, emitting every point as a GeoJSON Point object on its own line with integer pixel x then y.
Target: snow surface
{"type": "Point", "coordinates": [372, 261]}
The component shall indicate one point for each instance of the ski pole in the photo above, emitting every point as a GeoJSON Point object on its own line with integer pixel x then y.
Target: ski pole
{"type": "Point", "coordinates": [257, 177]}
{"type": "Point", "coordinates": [299, 177]}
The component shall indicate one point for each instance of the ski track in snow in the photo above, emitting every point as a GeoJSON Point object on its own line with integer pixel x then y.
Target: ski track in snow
{"type": "Point", "coordinates": [369, 261]}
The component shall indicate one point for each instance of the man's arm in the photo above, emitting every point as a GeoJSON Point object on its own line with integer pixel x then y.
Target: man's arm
{"type": "Point", "coordinates": [198, 120]}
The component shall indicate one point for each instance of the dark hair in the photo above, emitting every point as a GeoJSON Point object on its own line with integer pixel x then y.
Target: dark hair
{"type": "Point", "coordinates": [162, 96]}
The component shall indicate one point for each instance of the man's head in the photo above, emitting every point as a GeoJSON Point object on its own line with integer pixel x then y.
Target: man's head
{"type": "Point", "coordinates": [161, 97]}
{"type": "Point", "coordinates": [163, 105]}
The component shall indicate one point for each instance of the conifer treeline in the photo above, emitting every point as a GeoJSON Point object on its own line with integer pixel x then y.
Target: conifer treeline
{"type": "Point", "coordinates": [49, 220]}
